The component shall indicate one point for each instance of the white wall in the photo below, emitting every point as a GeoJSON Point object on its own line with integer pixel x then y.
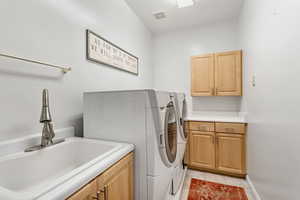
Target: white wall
{"type": "Point", "coordinates": [270, 37]}
{"type": "Point", "coordinates": [172, 52]}
{"type": "Point", "coordinates": [54, 31]}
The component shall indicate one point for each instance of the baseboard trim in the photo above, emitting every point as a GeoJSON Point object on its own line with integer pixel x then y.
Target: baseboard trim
{"type": "Point", "coordinates": [254, 191]}
{"type": "Point", "coordinates": [217, 171]}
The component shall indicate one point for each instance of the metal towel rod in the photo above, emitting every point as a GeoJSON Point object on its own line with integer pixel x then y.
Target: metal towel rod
{"type": "Point", "coordinates": [63, 69]}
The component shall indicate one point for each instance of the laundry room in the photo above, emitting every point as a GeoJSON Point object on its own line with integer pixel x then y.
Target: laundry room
{"type": "Point", "coordinates": [149, 100]}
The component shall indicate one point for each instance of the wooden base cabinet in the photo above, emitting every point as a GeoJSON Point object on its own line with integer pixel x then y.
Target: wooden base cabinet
{"type": "Point", "coordinates": [115, 183]}
{"type": "Point", "coordinates": [220, 152]}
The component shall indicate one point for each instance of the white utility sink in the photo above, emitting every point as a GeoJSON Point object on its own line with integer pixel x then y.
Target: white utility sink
{"type": "Point", "coordinates": [31, 175]}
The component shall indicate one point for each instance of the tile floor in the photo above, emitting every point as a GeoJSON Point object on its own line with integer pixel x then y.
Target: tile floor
{"type": "Point", "coordinates": [214, 178]}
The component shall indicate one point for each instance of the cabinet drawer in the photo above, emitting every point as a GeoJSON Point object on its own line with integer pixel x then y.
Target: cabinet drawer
{"type": "Point", "coordinates": [230, 128]}
{"type": "Point", "coordinates": [202, 126]}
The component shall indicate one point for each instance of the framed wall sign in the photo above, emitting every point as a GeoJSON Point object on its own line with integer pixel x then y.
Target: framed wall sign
{"type": "Point", "coordinates": [102, 51]}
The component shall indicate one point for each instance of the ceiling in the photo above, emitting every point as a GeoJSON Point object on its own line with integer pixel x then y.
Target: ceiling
{"type": "Point", "coordinates": [203, 12]}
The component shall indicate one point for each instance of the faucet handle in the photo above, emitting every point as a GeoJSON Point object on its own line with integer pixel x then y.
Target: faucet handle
{"type": "Point", "coordinates": [52, 134]}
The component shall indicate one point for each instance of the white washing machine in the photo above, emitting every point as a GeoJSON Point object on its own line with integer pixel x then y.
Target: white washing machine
{"type": "Point", "coordinates": [182, 109]}
{"type": "Point", "coordinates": [180, 169]}
{"type": "Point", "coordinates": [179, 101]}
{"type": "Point", "coordinates": [147, 119]}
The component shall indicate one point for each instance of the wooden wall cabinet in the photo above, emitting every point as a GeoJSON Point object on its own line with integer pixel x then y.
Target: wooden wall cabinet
{"type": "Point", "coordinates": [217, 147]}
{"type": "Point", "coordinates": [114, 184]}
{"type": "Point", "coordinates": [218, 74]}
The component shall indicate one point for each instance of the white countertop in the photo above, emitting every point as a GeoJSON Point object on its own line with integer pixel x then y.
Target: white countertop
{"type": "Point", "coordinates": [216, 117]}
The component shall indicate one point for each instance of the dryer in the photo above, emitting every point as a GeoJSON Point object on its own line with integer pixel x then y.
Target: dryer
{"type": "Point", "coordinates": [145, 118]}
{"type": "Point", "coordinates": [180, 106]}
{"type": "Point", "coordinates": [180, 169]}
{"type": "Point", "coordinates": [181, 110]}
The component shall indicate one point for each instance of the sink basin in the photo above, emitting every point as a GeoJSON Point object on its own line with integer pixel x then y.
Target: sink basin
{"type": "Point", "coordinates": [30, 175]}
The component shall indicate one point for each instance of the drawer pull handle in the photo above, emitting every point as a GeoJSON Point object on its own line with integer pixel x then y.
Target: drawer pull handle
{"type": "Point", "coordinates": [98, 196]}
{"type": "Point", "coordinates": [105, 191]}
{"type": "Point", "coordinates": [229, 129]}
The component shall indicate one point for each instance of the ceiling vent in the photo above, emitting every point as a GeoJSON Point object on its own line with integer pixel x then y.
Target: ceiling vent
{"type": "Point", "coordinates": [159, 15]}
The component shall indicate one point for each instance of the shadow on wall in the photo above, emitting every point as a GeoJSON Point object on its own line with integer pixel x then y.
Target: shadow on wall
{"type": "Point", "coordinates": [32, 71]}
{"type": "Point", "coordinates": [77, 123]}
{"type": "Point", "coordinates": [216, 104]}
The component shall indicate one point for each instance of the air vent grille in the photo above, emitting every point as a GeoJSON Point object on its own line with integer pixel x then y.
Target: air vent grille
{"type": "Point", "coordinates": [159, 15]}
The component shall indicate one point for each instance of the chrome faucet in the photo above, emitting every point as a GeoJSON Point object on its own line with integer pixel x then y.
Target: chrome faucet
{"type": "Point", "coordinates": [48, 132]}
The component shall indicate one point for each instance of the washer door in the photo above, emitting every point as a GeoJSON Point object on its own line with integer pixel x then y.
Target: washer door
{"type": "Point", "coordinates": [171, 132]}
{"type": "Point", "coordinates": [182, 121]}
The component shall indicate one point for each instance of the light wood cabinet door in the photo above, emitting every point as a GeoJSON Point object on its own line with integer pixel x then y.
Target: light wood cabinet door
{"type": "Point", "coordinates": [202, 75]}
{"type": "Point", "coordinates": [88, 192]}
{"type": "Point", "coordinates": [120, 187]}
{"type": "Point", "coordinates": [230, 153]}
{"type": "Point", "coordinates": [228, 73]}
{"type": "Point", "coordinates": [202, 149]}
{"type": "Point", "coordinates": [117, 182]}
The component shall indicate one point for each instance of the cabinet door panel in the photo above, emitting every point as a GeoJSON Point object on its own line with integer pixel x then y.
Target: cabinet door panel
{"type": "Point", "coordinates": [228, 73]}
{"type": "Point", "coordinates": [117, 182]}
{"type": "Point", "coordinates": [230, 152]}
{"type": "Point", "coordinates": [202, 75]}
{"type": "Point", "coordinates": [202, 149]}
{"type": "Point", "coordinates": [120, 187]}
